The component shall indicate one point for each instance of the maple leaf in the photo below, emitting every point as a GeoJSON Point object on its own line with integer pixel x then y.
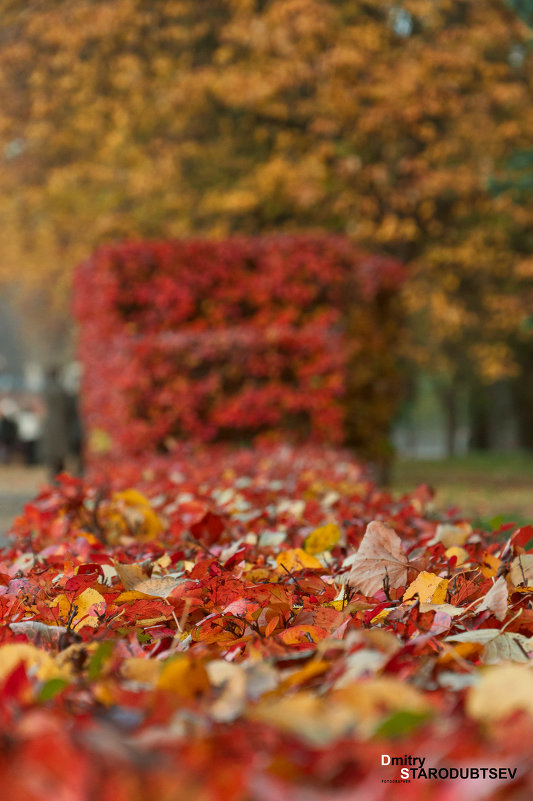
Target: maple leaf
{"type": "Point", "coordinates": [379, 557]}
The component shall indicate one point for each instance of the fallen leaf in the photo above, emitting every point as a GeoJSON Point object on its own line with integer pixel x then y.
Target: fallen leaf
{"type": "Point", "coordinates": [449, 609]}
{"type": "Point", "coordinates": [158, 587]}
{"type": "Point", "coordinates": [501, 691]}
{"type": "Point", "coordinates": [490, 565]}
{"type": "Point", "coordinates": [39, 633]}
{"type": "Point", "coordinates": [314, 668]}
{"type": "Point", "coordinates": [35, 660]}
{"type": "Point", "coordinates": [130, 575]}
{"type": "Point", "coordinates": [461, 556]}
{"type": "Point", "coordinates": [183, 676]}
{"type": "Point", "coordinates": [450, 534]}
{"type": "Point", "coordinates": [379, 556]}
{"type": "Point", "coordinates": [496, 599]}
{"type": "Point", "coordinates": [297, 559]}
{"type": "Point", "coordinates": [305, 715]}
{"type": "Point", "coordinates": [145, 671]}
{"type": "Point", "coordinates": [521, 571]}
{"type": "Point", "coordinates": [231, 680]}
{"type": "Point", "coordinates": [507, 647]}
{"type": "Point", "coordinates": [296, 635]}
{"type": "Point", "coordinates": [429, 587]}
{"type": "Point", "coordinates": [87, 602]}
{"type": "Point", "coordinates": [322, 539]}
{"type": "Point", "coordinates": [498, 646]}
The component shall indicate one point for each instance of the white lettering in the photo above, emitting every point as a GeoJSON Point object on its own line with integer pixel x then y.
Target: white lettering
{"type": "Point", "coordinates": [385, 759]}
{"type": "Point", "coordinates": [404, 773]}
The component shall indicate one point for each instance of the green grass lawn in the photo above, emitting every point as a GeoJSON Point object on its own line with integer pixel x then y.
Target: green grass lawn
{"type": "Point", "coordinates": [483, 485]}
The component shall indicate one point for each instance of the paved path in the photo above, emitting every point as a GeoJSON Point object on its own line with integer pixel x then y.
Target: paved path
{"type": "Point", "coordinates": [18, 485]}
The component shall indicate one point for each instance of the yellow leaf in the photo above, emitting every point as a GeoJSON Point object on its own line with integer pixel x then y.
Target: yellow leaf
{"type": "Point", "coordinates": [142, 670]}
{"type": "Point", "coordinates": [304, 714]}
{"type": "Point", "coordinates": [131, 514]}
{"type": "Point", "coordinates": [338, 605]}
{"type": "Point", "coordinates": [460, 553]}
{"type": "Point", "coordinates": [164, 561]}
{"type": "Point", "coordinates": [151, 621]}
{"type": "Point", "coordinates": [87, 600]}
{"type": "Point", "coordinates": [322, 539]}
{"type": "Point", "coordinates": [132, 497]}
{"type": "Point", "coordinates": [502, 690]}
{"type": "Point", "coordinates": [131, 595]}
{"type": "Point", "coordinates": [99, 441]}
{"type": "Point", "coordinates": [450, 534]}
{"type": "Point", "coordinates": [370, 699]}
{"type": "Point", "coordinates": [490, 565]}
{"type": "Point", "coordinates": [39, 662]}
{"type": "Point", "coordinates": [183, 676]}
{"type": "Point", "coordinates": [381, 615]}
{"type": "Point", "coordinates": [310, 671]}
{"type": "Point", "coordinates": [297, 559]}
{"type": "Point", "coordinates": [105, 693]}
{"type": "Point", "coordinates": [63, 606]}
{"type": "Point", "coordinates": [429, 587]}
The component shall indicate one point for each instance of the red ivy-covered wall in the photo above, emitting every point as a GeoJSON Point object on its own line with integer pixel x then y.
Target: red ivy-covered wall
{"type": "Point", "coordinates": [287, 337]}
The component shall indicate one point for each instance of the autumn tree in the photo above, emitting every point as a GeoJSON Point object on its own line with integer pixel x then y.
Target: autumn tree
{"type": "Point", "coordinates": [384, 120]}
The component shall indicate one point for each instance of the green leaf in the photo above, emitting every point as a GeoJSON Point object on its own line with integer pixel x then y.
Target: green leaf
{"type": "Point", "coordinates": [103, 651]}
{"type": "Point", "coordinates": [400, 723]}
{"type": "Point", "coordinates": [51, 688]}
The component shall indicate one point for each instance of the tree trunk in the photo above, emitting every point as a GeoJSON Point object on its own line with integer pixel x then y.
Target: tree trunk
{"type": "Point", "coordinates": [448, 396]}
{"type": "Point", "coordinates": [478, 414]}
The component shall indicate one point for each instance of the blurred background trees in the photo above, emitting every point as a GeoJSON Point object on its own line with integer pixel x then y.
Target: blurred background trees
{"type": "Point", "coordinates": [406, 125]}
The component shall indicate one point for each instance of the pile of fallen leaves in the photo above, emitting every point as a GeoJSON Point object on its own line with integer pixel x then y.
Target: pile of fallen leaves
{"type": "Point", "coordinates": [262, 626]}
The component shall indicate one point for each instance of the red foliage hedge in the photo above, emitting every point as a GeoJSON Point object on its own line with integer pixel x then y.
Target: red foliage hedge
{"type": "Point", "coordinates": [291, 337]}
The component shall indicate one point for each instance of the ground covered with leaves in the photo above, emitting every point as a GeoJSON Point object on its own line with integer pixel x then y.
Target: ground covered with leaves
{"type": "Point", "coordinates": [261, 626]}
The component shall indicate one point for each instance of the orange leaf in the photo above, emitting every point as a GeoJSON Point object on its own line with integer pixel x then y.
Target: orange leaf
{"type": "Point", "coordinates": [296, 635]}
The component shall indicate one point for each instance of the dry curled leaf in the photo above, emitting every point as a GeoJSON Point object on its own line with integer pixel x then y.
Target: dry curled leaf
{"type": "Point", "coordinates": [496, 599]}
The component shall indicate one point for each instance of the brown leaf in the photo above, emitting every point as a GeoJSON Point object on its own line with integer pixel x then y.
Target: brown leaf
{"type": "Point", "coordinates": [158, 587]}
{"type": "Point", "coordinates": [379, 556]}
{"type": "Point", "coordinates": [131, 575]}
{"type": "Point", "coordinates": [521, 573]}
{"type": "Point", "coordinates": [496, 599]}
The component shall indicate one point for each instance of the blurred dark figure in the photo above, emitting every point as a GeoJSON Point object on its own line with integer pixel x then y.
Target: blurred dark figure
{"type": "Point", "coordinates": [8, 430]}
{"type": "Point", "coordinates": [57, 424]}
{"type": "Point", "coordinates": [29, 433]}
{"type": "Point", "coordinates": [75, 434]}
